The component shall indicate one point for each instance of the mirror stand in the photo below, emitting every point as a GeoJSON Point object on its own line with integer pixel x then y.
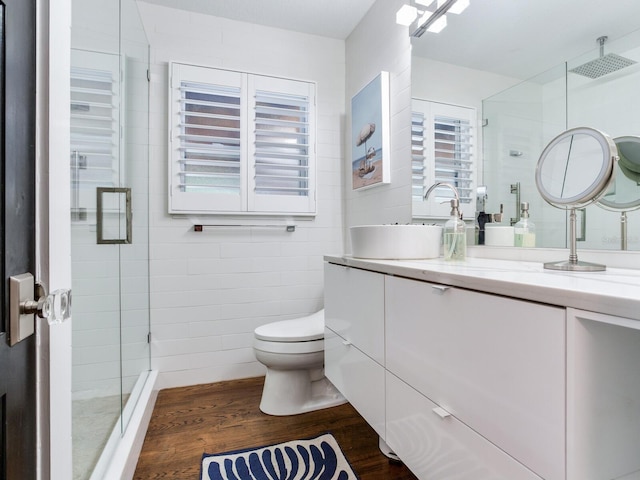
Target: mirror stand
{"type": "Point", "coordinates": [623, 230]}
{"type": "Point", "coordinates": [573, 264]}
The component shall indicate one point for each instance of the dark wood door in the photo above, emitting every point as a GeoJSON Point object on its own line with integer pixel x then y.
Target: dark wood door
{"type": "Point", "coordinates": [17, 235]}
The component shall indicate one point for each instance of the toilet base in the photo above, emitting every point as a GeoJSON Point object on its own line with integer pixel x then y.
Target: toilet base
{"type": "Point", "coordinates": [291, 392]}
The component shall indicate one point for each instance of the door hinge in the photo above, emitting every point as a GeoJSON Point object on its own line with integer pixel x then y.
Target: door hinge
{"type": "Point", "coordinates": [149, 337]}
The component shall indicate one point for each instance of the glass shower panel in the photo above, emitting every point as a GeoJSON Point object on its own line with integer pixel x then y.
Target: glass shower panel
{"type": "Point", "coordinates": [95, 162]}
{"type": "Point", "coordinates": [110, 252]}
{"type": "Point", "coordinates": [519, 122]}
{"type": "Point", "coordinates": [134, 260]}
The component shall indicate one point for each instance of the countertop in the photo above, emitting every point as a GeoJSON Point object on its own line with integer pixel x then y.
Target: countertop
{"type": "Point", "coordinates": [615, 291]}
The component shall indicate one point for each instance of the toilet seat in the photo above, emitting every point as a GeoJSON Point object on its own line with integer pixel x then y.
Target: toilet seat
{"type": "Point", "coordinates": [302, 329]}
{"type": "Point", "coordinates": [312, 346]}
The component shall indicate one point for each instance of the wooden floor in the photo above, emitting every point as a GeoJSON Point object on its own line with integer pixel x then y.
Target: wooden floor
{"type": "Point", "coordinates": [221, 417]}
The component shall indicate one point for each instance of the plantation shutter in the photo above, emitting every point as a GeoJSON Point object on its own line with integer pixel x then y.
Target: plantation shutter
{"type": "Point", "coordinates": [417, 156]}
{"type": "Point", "coordinates": [241, 143]}
{"type": "Point", "coordinates": [449, 147]}
{"type": "Point", "coordinates": [94, 132]}
{"type": "Point", "coordinates": [452, 155]}
{"type": "Point", "coordinates": [206, 143]}
{"type": "Point", "coordinates": [281, 146]}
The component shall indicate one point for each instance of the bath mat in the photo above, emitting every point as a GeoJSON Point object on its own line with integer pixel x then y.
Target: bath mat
{"type": "Point", "coordinates": [318, 458]}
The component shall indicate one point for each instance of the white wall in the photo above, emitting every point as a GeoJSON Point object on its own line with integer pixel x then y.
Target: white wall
{"type": "Point", "coordinates": [446, 83]}
{"type": "Point", "coordinates": [378, 44]}
{"type": "Point", "coordinates": [210, 290]}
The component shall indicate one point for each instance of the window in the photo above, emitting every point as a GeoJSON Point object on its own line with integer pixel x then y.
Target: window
{"type": "Point", "coordinates": [240, 143]}
{"type": "Point", "coordinates": [443, 150]}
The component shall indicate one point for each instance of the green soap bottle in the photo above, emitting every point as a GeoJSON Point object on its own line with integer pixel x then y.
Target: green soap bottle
{"type": "Point", "coordinates": [455, 235]}
{"type": "Point", "coordinates": [525, 229]}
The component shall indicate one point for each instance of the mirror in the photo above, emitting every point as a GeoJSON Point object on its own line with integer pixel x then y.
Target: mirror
{"type": "Point", "coordinates": [574, 170]}
{"type": "Point", "coordinates": [624, 193]}
{"type": "Point", "coordinates": [528, 95]}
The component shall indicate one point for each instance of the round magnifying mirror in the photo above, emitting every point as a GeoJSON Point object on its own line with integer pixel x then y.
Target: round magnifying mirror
{"type": "Point", "coordinates": [623, 195]}
{"type": "Point", "coordinates": [574, 170]}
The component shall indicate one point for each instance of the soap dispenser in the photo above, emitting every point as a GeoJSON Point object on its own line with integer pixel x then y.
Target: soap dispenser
{"type": "Point", "coordinates": [525, 229]}
{"type": "Point", "coordinates": [455, 234]}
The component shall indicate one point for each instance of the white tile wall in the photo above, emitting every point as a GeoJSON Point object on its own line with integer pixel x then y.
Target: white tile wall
{"type": "Point", "coordinates": [210, 290]}
{"type": "Point", "coordinates": [378, 44]}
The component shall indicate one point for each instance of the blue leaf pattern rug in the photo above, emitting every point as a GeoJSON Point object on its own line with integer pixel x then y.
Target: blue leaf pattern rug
{"type": "Point", "coordinates": [318, 458]}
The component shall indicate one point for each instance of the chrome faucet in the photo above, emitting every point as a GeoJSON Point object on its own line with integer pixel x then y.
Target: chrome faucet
{"type": "Point", "coordinates": [455, 192]}
{"type": "Point", "coordinates": [442, 184]}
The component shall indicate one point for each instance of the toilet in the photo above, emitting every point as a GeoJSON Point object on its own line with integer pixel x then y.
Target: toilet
{"type": "Point", "coordinates": [293, 352]}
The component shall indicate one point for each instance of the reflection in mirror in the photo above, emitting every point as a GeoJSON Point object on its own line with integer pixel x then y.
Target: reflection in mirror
{"type": "Point", "coordinates": [624, 193]}
{"type": "Point", "coordinates": [527, 115]}
{"type": "Point", "coordinates": [528, 95]}
{"type": "Point", "coordinates": [574, 170]}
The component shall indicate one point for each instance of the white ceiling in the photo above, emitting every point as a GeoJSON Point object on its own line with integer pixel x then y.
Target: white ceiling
{"type": "Point", "coordinates": [517, 38]}
{"type": "Point", "coordinates": [521, 38]}
{"type": "Point", "coordinates": [328, 18]}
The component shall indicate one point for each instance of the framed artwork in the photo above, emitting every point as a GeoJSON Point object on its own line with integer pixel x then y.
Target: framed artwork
{"type": "Point", "coordinates": [370, 152]}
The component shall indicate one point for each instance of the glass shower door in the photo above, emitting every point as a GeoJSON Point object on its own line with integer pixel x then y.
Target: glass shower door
{"type": "Point", "coordinates": [109, 226]}
{"type": "Point", "coordinates": [95, 163]}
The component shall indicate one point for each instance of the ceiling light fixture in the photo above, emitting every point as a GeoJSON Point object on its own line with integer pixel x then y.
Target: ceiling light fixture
{"type": "Point", "coordinates": [459, 7]}
{"type": "Point", "coordinates": [438, 24]}
{"type": "Point", "coordinates": [428, 20]}
{"type": "Point", "coordinates": [406, 15]}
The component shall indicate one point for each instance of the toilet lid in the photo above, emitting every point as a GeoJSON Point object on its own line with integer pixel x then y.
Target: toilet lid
{"type": "Point", "coordinates": [302, 329]}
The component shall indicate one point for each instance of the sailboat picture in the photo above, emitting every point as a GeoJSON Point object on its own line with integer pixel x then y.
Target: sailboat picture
{"type": "Point", "coordinates": [370, 134]}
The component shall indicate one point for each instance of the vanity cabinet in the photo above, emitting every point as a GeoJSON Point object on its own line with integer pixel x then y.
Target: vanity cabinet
{"type": "Point", "coordinates": [354, 339]}
{"type": "Point", "coordinates": [479, 366]}
{"type": "Point", "coordinates": [490, 369]}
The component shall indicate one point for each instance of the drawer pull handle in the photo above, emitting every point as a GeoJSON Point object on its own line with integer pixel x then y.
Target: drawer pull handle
{"type": "Point", "coordinates": [346, 342]}
{"type": "Point", "coordinates": [439, 289]}
{"type": "Point", "coordinates": [441, 412]}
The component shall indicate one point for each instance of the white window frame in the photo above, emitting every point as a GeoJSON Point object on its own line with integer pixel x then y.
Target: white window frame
{"type": "Point", "coordinates": [250, 199]}
{"type": "Point", "coordinates": [423, 141]}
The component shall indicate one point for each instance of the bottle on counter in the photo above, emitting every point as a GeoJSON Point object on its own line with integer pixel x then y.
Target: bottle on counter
{"type": "Point", "coordinates": [525, 229]}
{"type": "Point", "coordinates": [455, 235]}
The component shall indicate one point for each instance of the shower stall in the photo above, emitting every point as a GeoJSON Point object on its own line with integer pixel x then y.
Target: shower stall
{"type": "Point", "coordinates": [109, 226]}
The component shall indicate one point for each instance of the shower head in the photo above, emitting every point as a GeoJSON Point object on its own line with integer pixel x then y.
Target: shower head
{"type": "Point", "coordinates": [603, 65]}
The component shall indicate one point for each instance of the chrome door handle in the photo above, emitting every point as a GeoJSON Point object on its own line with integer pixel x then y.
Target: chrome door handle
{"type": "Point", "coordinates": [111, 197]}
{"type": "Point", "coordinates": [55, 307]}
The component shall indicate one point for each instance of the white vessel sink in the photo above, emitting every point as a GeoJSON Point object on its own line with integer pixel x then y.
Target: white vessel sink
{"type": "Point", "coordinates": [396, 242]}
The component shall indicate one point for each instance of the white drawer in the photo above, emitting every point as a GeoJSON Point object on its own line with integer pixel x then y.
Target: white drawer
{"type": "Point", "coordinates": [354, 307]}
{"type": "Point", "coordinates": [437, 448]}
{"type": "Point", "coordinates": [358, 377]}
{"type": "Point", "coordinates": [497, 364]}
